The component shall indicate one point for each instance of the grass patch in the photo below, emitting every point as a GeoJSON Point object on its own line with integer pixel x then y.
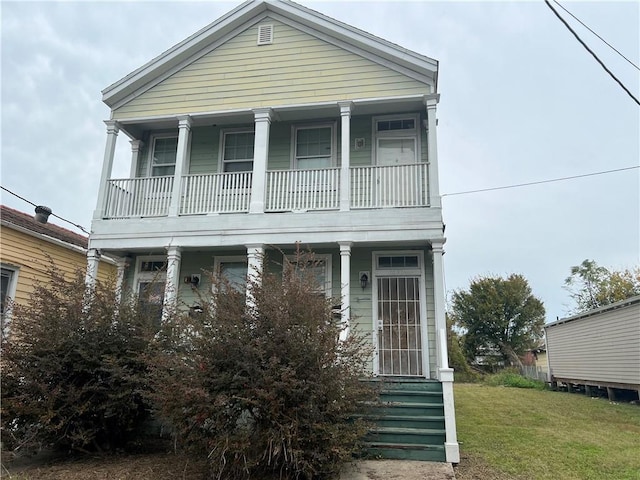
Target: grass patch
{"type": "Point", "coordinates": [541, 434]}
{"type": "Point", "coordinates": [511, 379]}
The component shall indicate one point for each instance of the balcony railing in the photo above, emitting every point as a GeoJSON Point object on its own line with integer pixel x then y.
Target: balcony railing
{"type": "Point", "coordinates": [216, 193]}
{"type": "Point", "coordinates": [389, 186]}
{"type": "Point", "coordinates": [138, 197]}
{"type": "Point", "coordinates": [286, 191]}
{"type": "Point", "coordinates": [300, 190]}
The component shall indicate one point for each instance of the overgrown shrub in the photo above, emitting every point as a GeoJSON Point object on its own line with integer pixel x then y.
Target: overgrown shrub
{"type": "Point", "coordinates": [509, 378]}
{"type": "Point", "coordinates": [264, 387]}
{"type": "Point", "coordinates": [72, 370]}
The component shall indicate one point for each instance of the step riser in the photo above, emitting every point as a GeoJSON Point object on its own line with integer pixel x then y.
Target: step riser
{"type": "Point", "coordinates": [431, 411]}
{"type": "Point", "coordinates": [411, 397]}
{"type": "Point", "coordinates": [435, 387]}
{"type": "Point", "coordinates": [410, 423]}
{"type": "Point", "coordinates": [410, 439]}
{"type": "Point", "coordinates": [408, 454]}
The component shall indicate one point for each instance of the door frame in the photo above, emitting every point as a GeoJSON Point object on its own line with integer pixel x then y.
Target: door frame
{"type": "Point", "coordinates": [419, 272]}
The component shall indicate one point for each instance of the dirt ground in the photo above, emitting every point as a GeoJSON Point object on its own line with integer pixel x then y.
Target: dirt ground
{"type": "Point", "coordinates": [169, 466]}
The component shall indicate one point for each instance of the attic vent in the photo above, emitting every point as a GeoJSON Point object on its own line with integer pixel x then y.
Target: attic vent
{"type": "Point", "coordinates": [265, 34]}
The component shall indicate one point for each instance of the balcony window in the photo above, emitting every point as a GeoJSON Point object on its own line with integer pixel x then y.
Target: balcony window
{"type": "Point", "coordinates": [237, 151]}
{"type": "Point", "coordinates": [397, 140]}
{"type": "Point", "coordinates": [163, 156]}
{"type": "Point", "coordinates": [314, 147]}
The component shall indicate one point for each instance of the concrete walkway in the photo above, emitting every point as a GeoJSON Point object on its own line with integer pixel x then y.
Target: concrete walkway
{"type": "Point", "coordinates": [398, 469]}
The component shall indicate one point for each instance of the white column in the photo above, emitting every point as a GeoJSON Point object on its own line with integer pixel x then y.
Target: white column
{"type": "Point", "coordinates": [107, 167]}
{"type": "Point", "coordinates": [260, 155]}
{"type": "Point", "coordinates": [184, 130]}
{"type": "Point", "coordinates": [173, 281]}
{"type": "Point", "coordinates": [255, 257]}
{"type": "Point", "coordinates": [93, 260]}
{"type": "Point", "coordinates": [434, 190]}
{"type": "Point", "coordinates": [121, 267]}
{"type": "Point", "coordinates": [445, 374]}
{"type": "Point", "coordinates": [136, 147]}
{"type": "Point", "coordinates": [345, 181]}
{"type": "Point", "coordinates": [345, 285]}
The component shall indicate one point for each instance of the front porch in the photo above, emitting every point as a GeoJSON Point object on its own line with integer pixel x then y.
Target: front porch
{"type": "Point", "coordinates": [286, 191]}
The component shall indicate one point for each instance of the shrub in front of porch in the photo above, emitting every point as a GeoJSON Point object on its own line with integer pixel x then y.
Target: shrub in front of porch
{"type": "Point", "coordinates": [73, 370]}
{"type": "Point", "coordinates": [261, 384]}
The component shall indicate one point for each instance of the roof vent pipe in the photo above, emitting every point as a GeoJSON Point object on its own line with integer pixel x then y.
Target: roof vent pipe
{"type": "Point", "coordinates": [42, 213]}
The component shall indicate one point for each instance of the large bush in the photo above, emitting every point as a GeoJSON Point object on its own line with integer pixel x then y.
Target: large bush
{"type": "Point", "coordinates": [264, 387]}
{"type": "Point", "coordinates": [73, 370]}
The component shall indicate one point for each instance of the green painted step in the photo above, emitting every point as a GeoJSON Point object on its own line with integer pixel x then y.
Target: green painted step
{"type": "Point", "coordinates": [425, 453]}
{"type": "Point", "coordinates": [410, 409]}
{"type": "Point", "coordinates": [413, 384]}
{"type": "Point", "coordinates": [410, 396]}
{"type": "Point", "coordinates": [408, 421]}
{"type": "Point", "coordinates": [408, 436]}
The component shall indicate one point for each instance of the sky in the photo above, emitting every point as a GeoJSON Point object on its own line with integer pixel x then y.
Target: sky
{"type": "Point", "coordinates": [521, 101]}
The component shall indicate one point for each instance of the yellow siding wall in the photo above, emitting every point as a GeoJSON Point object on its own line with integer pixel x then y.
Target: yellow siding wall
{"type": "Point", "coordinates": [296, 68]}
{"type": "Point", "coordinates": [29, 253]}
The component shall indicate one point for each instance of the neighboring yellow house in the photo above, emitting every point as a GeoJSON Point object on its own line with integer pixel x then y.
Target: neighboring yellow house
{"type": "Point", "coordinates": [26, 249]}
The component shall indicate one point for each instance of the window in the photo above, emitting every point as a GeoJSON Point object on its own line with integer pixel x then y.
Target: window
{"type": "Point", "coordinates": [314, 147]}
{"type": "Point", "coordinates": [234, 270]}
{"type": "Point", "coordinates": [318, 268]}
{"type": "Point", "coordinates": [398, 261]}
{"type": "Point", "coordinates": [8, 281]}
{"type": "Point", "coordinates": [151, 278]}
{"type": "Point", "coordinates": [237, 151]}
{"type": "Point", "coordinates": [397, 140]}
{"type": "Point", "coordinates": [163, 155]}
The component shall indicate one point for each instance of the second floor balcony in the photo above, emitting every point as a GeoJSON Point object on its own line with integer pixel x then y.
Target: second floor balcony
{"type": "Point", "coordinates": [369, 187]}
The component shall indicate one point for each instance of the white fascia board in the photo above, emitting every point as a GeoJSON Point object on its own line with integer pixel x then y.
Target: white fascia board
{"type": "Point", "coordinates": [190, 49]}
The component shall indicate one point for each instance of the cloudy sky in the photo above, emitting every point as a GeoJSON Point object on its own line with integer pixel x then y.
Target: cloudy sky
{"type": "Point", "coordinates": [521, 101]}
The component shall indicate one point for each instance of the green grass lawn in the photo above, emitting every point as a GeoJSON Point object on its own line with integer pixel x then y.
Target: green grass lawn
{"type": "Point", "coordinates": [540, 434]}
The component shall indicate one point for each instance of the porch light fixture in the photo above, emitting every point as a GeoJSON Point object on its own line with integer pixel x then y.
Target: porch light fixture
{"type": "Point", "coordinates": [364, 279]}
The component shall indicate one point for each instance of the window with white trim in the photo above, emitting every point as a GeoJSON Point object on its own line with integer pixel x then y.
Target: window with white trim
{"type": "Point", "coordinates": [397, 140]}
{"type": "Point", "coordinates": [314, 146]}
{"type": "Point", "coordinates": [234, 270]}
{"type": "Point", "coordinates": [319, 269]}
{"type": "Point", "coordinates": [9, 280]}
{"type": "Point", "coordinates": [237, 151]}
{"type": "Point", "coordinates": [163, 155]}
{"type": "Point", "coordinates": [150, 282]}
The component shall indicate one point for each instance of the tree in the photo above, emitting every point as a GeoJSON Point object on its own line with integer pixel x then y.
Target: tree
{"type": "Point", "coordinates": [73, 371]}
{"type": "Point", "coordinates": [260, 385]}
{"type": "Point", "coordinates": [592, 286]}
{"type": "Point", "coordinates": [498, 315]}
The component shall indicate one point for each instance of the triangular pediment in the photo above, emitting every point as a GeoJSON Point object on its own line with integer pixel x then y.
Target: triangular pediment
{"type": "Point", "coordinates": [311, 58]}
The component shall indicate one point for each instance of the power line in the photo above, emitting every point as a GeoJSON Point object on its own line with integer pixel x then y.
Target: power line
{"type": "Point", "coordinates": [603, 40]}
{"type": "Point", "coordinates": [539, 182]}
{"type": "Point", "coordinates": [591, 52]}
{"type": "Point", "coordinates": [52, 214]}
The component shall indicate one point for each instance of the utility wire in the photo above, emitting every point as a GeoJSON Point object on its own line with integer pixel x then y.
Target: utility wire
{"type": "Point", "coordinates": [53, 214]}
{"type": "Point", "coordinates": [591, 52]}
{"type": "Point", "coordinates": [603, 40]}
{"type": "Point", "coordinates": [539, 182]}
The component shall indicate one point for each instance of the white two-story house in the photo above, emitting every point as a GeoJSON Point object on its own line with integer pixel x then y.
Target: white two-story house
{"type": "Point", "coordinates": [276, 126]}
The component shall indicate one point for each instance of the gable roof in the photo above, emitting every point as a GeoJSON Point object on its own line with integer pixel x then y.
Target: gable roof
{"type": "Point", "coordinates": [9, 216]}
{"type": "Point", "coordinates": [393, 55]}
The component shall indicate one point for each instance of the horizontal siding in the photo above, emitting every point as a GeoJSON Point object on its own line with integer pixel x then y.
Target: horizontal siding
{"type": "Point", "coordinates": [296, 68]}
{"type": "Point", "coordinates": [603, 347]}
{"type": "Point", "coordinates": [32, 255]}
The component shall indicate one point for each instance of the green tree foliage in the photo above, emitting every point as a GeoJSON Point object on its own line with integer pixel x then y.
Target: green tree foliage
{"type": "Point", "coordinates": [73, 371]}
{"type": "Point", "coordinates": [457, 360]}
{"type": "Point", "coordinates": [592, 286]}
{"type": "Point", "coordinates": [498, 315]}
{"type": "Point", "coordinates": [264, 388]}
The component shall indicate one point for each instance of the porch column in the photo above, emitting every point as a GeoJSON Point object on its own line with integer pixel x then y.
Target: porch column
{"type": "Point", "coordinates": [445, 374]}
{"type": "Point", "coordinates": [136, 147]}
{"type": "Point", "coordinates": [432, 145]}
{"type": "Point", "coordinates": [345, 183]}
{"type": "Point", "coordinates": [255, 256]}
{"type": "Point", "coordinates": [121, 267]}
{"type": "Point", "coordinates": [263, 118]}
{"type": "Point", "coordinates": [182, 157]}
{"type": "Point", "coordinates": [174, 254]}
{"type": "Point", "coordinates": [107, 167]}
{"type": "Point", "coordinates": [345, 286]}
{"type": "Point", "coordinates": [93, 260]}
